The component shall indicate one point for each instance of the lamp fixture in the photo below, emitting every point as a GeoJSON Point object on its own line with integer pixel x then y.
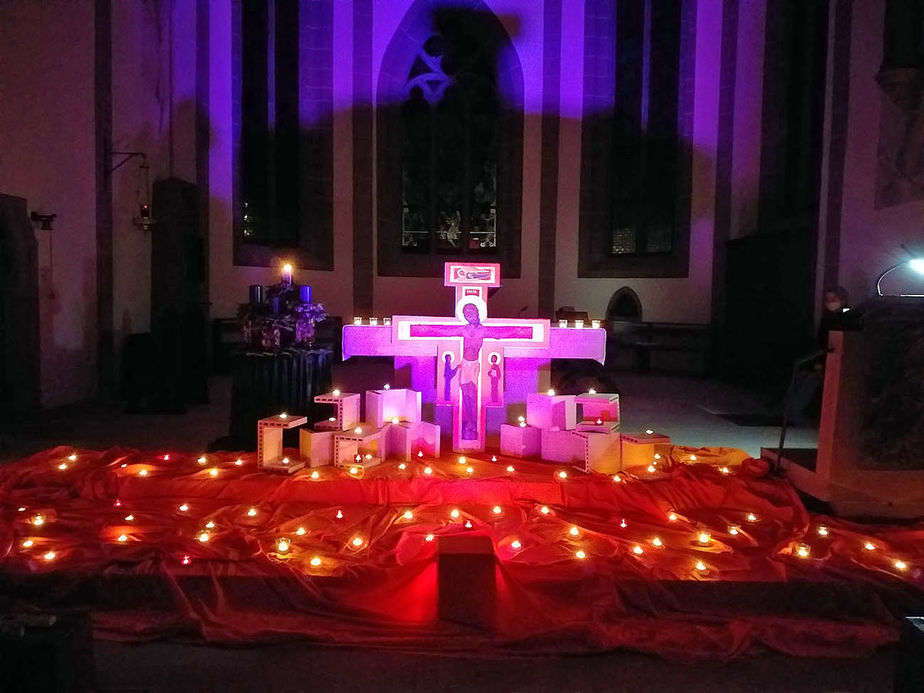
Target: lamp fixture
{"type": "Point", "coordinates": [143, 220]}
{"type": "Point", "coordinates": [915, 263]}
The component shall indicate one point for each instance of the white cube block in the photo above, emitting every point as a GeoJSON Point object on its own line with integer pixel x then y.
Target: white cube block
{"type": "Point", "coordinates": [346, 410]}
{"type": "Point", "coordinates": [598, 426]}
{"type": "Point", "coordinates": [601, 452]}
{"type": "Point", "coordinates": [561, 446]}
{"type": "Point", "coordinates": [269, 440]}
{"type": "Point", "coordinates": [551, 411]}
{"type": "Point", "coordinates": [317, 447]}
{"type": "Point", "coordinates": [520, 441]}
{"type": "Point", "coordinates": [600, 405]}
{"type": "Point", "coordinates": [405, 440]}
{"type": "Point", "coordinates": [399, 403]}
{"type": "Point", "coordinates": [640, 448]}
{"type": "Point", "coordinates": [363, 442]}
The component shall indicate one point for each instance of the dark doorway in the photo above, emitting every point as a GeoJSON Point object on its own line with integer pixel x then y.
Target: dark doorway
{"type": "Point", "coordinates": [769, 309]}
{"type": "Point", "coordinates": [19, 313]}
{"type": "Point", "coordinates": [624, 305]}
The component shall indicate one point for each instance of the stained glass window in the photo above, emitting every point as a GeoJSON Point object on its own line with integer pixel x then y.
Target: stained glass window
{"type": "Point", "coordinates": [269, 122]}
{"type": "Point", "coordinates": [449, 153]}
{"type": "Point", "coordinates": [646, 151]}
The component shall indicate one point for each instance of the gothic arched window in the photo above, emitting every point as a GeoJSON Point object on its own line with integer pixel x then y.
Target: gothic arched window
{"type": "Point", "coordinates": [283, 139]}
{"type": "Point", "coordinates": [637, 125]}
{"type": "Point", "coordinates": [448, 154]}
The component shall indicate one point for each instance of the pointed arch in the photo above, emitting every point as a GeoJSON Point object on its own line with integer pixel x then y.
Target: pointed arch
{"type": "Point", "coordinates": [624, 305]}
{"type": "Point", "coordinates": [439, 62]}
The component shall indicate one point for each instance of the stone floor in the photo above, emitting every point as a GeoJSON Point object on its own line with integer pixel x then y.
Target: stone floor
{"type": "Point", "coordinates": [681, 407]}
{"type": "Point", "coordinates": [296, 667]}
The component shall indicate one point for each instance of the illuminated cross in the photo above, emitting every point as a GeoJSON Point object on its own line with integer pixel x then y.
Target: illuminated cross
{"type": "Point", "coordinates": [470, 349]}
{"type": "Point", "coordinates": [488, 345]}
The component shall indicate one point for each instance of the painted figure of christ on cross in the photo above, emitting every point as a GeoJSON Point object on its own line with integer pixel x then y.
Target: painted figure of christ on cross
{"type": "Point", "coordinates": [464, 346]}
{"type": "Point", "coordinates": [472, 334]}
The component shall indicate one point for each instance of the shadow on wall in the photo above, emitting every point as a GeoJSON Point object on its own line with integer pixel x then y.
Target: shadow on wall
{"type": "Point", "coordinates": [20, 387]}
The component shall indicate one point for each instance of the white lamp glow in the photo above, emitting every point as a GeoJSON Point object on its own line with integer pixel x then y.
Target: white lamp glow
{"type": "Point", "coordinates": [915, 263]}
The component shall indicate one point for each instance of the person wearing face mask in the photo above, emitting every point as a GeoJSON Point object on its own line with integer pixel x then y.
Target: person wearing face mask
{"type": "Point", "coordinates": [804, 401]}
{"type": "Point", "coordinates": [837, 315]}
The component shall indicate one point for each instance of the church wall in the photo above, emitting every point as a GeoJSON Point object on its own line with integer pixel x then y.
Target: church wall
{"type": "Point", "coordinates": [228, 282]}
{"type": "Point", "coordinates": [870, 237]}
{"type": "Point", "coordinates": [423, 295]}
{"type": "Point", "coordinates": [747, 115]}
{"type": "Point", "coordinates": [47, 155]}
{"type": "Point", "coordinates": [142, 121]}
{"type": "Point", "coordinates": [522, 20]}
{"type": "Point", "coordinates": [659, 297]}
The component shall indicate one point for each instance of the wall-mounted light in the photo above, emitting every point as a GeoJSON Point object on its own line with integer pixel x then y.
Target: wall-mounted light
{"type": "Point", "coordinates": [143, 220]}
{"type": "Point", "coordinates": [915, 263]}
{"type": "Point", "coordinates": [46, 220]}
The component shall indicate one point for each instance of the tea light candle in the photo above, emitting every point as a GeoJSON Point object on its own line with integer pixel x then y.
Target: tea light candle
{"type": "Point", "coordinates": [373, 321]}
{"type": "Point", "coordinates": [563, 323]}
{"type": "Point", "coordinates": [595, 324]}
{"type": "Point", "coordinates": [386, 321]}
{"type": "Point", "coordinates": [579, 324]}
{"type": "Point", "coordinates": [357, 321]}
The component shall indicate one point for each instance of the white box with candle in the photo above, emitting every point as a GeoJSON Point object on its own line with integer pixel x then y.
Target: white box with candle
{"type": "Point", "coordinates": [520, 441]}
{"type": "Point", "coordinates": [551, 411]}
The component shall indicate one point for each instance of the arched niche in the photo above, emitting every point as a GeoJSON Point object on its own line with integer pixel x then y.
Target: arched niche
{"type": "Point", "coordinates": [624, 305]}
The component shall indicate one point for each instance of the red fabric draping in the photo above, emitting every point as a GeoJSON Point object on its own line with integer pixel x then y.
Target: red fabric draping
{"type": "Point", "coordinates": [133, 522]}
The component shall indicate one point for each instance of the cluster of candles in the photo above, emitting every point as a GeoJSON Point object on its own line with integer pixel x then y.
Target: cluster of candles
{"type": "Point", "coordinates": [579, 324]}
{"type": "Point", "coordinates": [372, 321]}
{"type": "Point", "coordinates": [257, 292]}
{"type": "Point", "coordinates": [283, 545]}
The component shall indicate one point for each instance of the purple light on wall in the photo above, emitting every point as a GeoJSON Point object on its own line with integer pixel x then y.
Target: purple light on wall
{"type": "Point", "coordinates": [419, 23]}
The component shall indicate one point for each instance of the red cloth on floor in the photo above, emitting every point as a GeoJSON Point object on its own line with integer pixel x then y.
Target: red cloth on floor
{"type": "Point", "coordinates": [238, 586]}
